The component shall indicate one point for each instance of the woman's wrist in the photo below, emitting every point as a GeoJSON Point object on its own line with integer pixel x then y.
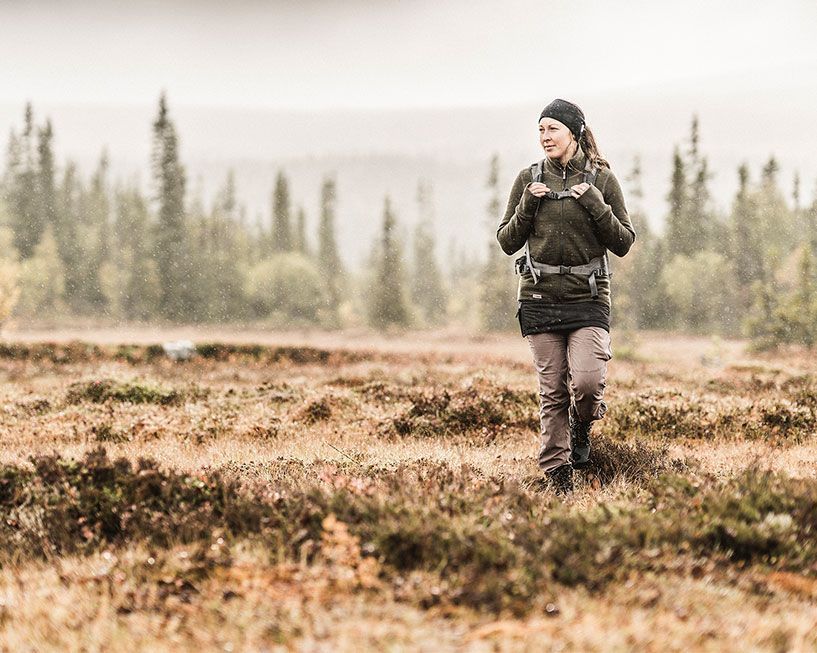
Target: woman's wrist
{"type": "Point", "coordinates": [528, 203]}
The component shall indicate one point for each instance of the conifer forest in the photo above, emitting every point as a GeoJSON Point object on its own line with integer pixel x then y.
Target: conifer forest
{"type": "Point", "coordinates": [75, 248]}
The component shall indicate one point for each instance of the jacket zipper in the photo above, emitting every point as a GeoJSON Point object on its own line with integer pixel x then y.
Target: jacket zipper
{"type": "Point", "coordinates": [562, 233]}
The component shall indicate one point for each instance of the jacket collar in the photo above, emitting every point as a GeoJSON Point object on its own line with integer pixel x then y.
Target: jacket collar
{"type": "Point", "coordinates": [576, 164]}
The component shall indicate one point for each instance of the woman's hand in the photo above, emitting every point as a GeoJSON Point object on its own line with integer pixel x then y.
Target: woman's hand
{"type": "Point", "coordinates": [590, 198]}
{"type": "Point", "coordinates": [530, 198]}
{"type": "Point", "coordinates": [538, 189]}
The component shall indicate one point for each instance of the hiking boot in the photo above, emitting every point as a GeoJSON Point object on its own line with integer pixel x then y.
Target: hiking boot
{"type": "Point", "coordinates": [579, 440]}
{"type": "Point", "coordinates": [561, 479]}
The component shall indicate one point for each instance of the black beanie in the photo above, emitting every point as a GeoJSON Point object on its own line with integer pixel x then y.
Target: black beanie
{"type": "Point", "coordinates": [566, 113]}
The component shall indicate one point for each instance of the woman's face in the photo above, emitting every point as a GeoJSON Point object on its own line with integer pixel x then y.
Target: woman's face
{"type": "Point", "coordinates": [555, 138]}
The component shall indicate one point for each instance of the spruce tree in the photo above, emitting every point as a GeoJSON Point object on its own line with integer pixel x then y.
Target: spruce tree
{"type": "Point", "coordinates": [677, 235]}
{"type": "Point", "coordinates": [427, 290]}
{"type": "Point", "coordinates": [170, 252]}
{"type": "Point", "coordinates": [747, 238]}
{"type": "Point", "coordinates": [777, 221]}
{"type": "Point", "coordinates": [497, 297]}
{"type": "Point", "coordinates": [635, 191]}
{"type": "Point", "coordinates": [329, 263]}
{"type": "Point", "coordinates": [96, 237]}
{"type": "Point", "coordinates": [281, 231]}
{"type": "Point", "coordinates": [68, 236]}
{"type": "Point", "coordinates": [788, 318]}
{"type": "Point", "coordinates": [200, 259]}
{"type": "Point", "coordinates": [760, 321]}
{"type": "Point", "coordinates": [694, 139]}
{"type": "Point", "coordinates": [238, 241]}
{"type": "Point", "coordinates": [225, 249]}
{"type": "Point", "coordinates": [774, 238]}
{"type": "Point", "coordinates": [810, 220]}
{"type": "Point", "coordinates": [387, 298]}
{"type": "Point", "coordinates": [139, 289]}
{"type": "Point", "coordinates": [259, 240]}
{"type": "Point", "coordinates": [770, 170]}
{"type": "Point", "coordinates": [803, 307]}
{"type": "Point", "coordinates": [300, 244]}
{"type": "Point", "coordinates": [226, 203]}
{"type": "Point", "coordinates": [639, 300]}
{"type": "Point", "coordinates": [27, 219]}
{"type": "Point", "coordinates": [691, 224]}
{"type": "Point", "coordinates": [699, 217]}
{"type": "Point", "coordinates": [46, 175]}
{"type": "Point", "coordinates": [795, 192]}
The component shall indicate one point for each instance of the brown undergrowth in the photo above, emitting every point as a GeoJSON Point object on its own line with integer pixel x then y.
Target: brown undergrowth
{"type": "Point", "coordinates": [493, 544]}
{"type": "Point", "coordinates": [81, 352]}
{"type": "Point", "coordinates": [662, 414]}
{"type": "Point", "coordinates": [481, 406]}
{"type": "Point", "coordinates": [136, 392]}
{"type": "Point", "coordinates": [381, 477]}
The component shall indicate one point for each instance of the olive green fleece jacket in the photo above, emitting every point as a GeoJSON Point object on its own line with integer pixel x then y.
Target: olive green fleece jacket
{"type": "Point", "coordinates": [566, 232]}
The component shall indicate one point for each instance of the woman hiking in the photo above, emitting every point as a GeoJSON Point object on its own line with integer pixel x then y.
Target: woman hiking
{"type": "Point", "coordinates": [566, 211]}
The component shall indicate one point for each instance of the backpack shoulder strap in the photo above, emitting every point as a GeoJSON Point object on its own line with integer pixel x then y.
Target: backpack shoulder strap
{"type": "Point", "coordinates": [537, 170]}
{"type": "Point", "coordinates": [590, 174]}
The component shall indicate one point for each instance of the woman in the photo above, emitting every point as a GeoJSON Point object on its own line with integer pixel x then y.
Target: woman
{"type": "Point", "coordinates": [566, 212]}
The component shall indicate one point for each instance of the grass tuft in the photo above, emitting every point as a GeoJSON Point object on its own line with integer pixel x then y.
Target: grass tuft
{"type": "Point", "coordinates": [135, 392]}
{"type": "Point", "coordinates": [634, 462]}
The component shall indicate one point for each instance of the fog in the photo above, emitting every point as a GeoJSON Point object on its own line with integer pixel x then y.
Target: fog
{"type": "Point", "coordinates": [386, 54]}
{"type": "Point", "coordinates": [383, 93]}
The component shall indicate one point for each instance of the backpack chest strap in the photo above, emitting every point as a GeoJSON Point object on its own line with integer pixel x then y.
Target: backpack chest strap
{"type": "Point", "coordinates": [537, 173]}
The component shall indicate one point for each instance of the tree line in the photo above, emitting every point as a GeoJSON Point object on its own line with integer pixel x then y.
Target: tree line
{"type": "Point", "coordinates": [71, 248]}
{"type": "Point", "coordinates": [747, 271]}
{"type": "Point", "coordinates": [76, 248]}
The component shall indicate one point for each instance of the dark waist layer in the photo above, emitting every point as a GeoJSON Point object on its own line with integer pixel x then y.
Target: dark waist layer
{"type": "Point", "coordinates": [541, 317]}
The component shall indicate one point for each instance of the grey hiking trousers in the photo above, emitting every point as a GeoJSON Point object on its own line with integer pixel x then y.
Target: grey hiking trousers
{"type": "Point", "coordinates": [572, 368]}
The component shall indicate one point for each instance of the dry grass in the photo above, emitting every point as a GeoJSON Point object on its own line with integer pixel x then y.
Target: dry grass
{"type": "Point", "coordinates": [435, 436]}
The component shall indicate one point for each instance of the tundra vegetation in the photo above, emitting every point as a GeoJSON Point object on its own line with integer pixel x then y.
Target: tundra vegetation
{"type": "Point", "coordinates": [350, 494]}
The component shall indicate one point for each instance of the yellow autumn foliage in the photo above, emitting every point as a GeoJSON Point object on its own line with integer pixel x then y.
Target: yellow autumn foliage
{"type": "Point", "coordinates": [9, 288]}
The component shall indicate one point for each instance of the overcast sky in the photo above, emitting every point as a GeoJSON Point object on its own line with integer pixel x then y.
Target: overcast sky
{"type": "Point", "coordinates": [352, 53]}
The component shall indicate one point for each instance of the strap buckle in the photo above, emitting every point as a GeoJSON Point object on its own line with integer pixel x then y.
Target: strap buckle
{"type": "Point", "coordinates": [558, 195]}
{"type": "Point", "coordinates": [604, 270]}
{"type": "Point", "coordinates": [564, 269]}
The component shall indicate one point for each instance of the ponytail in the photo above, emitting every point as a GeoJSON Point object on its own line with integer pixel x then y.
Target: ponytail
{"type": "Point", "coordinates": [588, 144]}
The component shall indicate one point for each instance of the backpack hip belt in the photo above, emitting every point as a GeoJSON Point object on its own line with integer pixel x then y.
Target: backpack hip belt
{"type": "Point", "coordinates": [597, 267]}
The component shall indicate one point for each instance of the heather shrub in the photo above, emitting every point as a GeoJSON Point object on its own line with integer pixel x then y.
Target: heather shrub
{"type": "Point", "coordinates": [136, 392]}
